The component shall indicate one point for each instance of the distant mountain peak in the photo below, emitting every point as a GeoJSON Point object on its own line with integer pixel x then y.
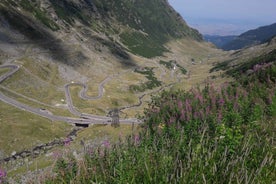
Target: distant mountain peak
{"type": "Point", "coordinates": [252, 37]}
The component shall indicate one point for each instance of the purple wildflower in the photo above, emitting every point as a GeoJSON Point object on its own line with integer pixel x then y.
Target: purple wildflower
{"type": "Point", "coordinates": [182, 116]}
{"type": "Point", "coordinates": [188, 105]}
{"type": "Point", "coordinates": [212, 88]}
{"type": "Point", "coordinates": [199, 97]}
{"type": "Point", "coordinates": [90, 151]}
{"type": "Point", "coordinates": [67, 141]}
{"type": "Point", "coordinates": [236, 106]}
{"type": "Point", "coordinates": [257, 67]}
{"type": "Point", "coordinates": [201, 113]}
{"type": "Point", "coordinates": [196, 115]}
{"type": "Point", "coordinates": [226, 95]}
{"type": "Point", "coordinates": [213, 101]}
{"type": "Point", "coordinates": [3, 175]}
{"type": "Point", "coordinates": [221, 102]}
{"type": "Point", "coordinates": [244, 93]}
{"type": "Point", "coordinates": [171, 121]}
{"type": "Point", "coordinates": [106, 144]}
{"type": "Point", "coordinates": [57, 154]}
{"type": "Point", "coordinates": [155, 110]}
{"type": "Point", "coordinates": [208, 111]}
{"type": "Point", "coordinates": [94, 169]}
{"type": "Point", "coordinates": [225, 85]}
{"type": "Point", "coordinates": [270, 99]}
{"type": "Point", "coordinates": [136, 139]}
{"type": "Point", "coordinates": [237, 95]}
{"type": "Point", "coordinates": [101, 153]}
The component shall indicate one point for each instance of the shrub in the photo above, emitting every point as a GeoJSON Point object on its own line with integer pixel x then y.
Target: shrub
{"type": "Point", "coordinates": [214, 135]}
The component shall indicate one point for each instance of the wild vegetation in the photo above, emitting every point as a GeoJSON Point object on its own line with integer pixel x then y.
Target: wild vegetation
{"type": "Point", "coordinates": [143, 27]}
{"type": "Point", "coordinates": [39, 14]}
{"type": "Point", "coordinates": [170, 64]}
{"type": "Point", "coordinates": [154, 24]}
{"type": "Point", "coordinates": [152, 82]}
{"type": "Point", "coordinates": [209, 135]}
{"type": "Point", "coordinates": [214, 134]}
{"type": "Point", "coordinates": [243, 67]}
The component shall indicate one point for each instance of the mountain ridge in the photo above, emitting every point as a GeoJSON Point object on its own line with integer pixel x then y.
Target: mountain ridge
{"type": "Point", "coordinates": [143, 30]}
{"type": "Point", "coordinates": [252, 37]}
{"type": "Point", "coordinates": [218, 40]}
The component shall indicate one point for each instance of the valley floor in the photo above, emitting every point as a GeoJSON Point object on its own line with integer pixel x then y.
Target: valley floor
{"type": "Point", "coordinates": [50, 94]}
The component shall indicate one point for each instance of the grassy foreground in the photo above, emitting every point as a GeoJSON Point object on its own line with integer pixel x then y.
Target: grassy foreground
{"type": "Point", "coordinates": [210, 135]}
{"type": "Point", "coordinates": [24, 130]}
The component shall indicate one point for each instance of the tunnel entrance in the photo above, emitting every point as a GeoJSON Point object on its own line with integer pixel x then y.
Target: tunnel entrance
{"type": "Point", "coordinates": [82, 125]}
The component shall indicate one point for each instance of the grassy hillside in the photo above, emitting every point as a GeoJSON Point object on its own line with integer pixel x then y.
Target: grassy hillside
{"type": "Point", "coordinates": [209, 135]}
{"type": "Point", "coordinates": [142, 26]}
{"type": "Point", "coordinates": [247, 66]}
{"type": "Point", "coordinates": [155, 23]}
{"type": "Point", "coordinates": [22, 130]}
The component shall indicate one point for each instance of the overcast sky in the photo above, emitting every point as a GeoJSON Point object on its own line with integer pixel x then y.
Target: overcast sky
{"type": "Point", "coordinates": [225, 17]}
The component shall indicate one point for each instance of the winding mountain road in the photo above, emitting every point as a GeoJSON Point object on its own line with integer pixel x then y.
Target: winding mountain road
{"type": "Point", "coordinates": [84, 118]}
{"type": "Point", "coordinates": [83, 95]}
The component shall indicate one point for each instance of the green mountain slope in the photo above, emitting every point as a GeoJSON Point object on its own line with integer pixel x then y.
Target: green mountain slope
{"type": "Point", "coordinates": [252, 37]}
{"type": "Point", "coordinates": [143, 27]}
{"type": "Point", "coordinates": [244, 60]}
{"type": "Point", "coordinates": [97, 43]}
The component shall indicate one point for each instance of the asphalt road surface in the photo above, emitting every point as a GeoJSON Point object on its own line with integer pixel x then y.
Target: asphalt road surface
{"type": "Point", "coordinates": [84, 118]}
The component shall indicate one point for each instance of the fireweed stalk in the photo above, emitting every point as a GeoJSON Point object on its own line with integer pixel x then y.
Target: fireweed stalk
{"type": "Point", "coordinates": [3, 175]}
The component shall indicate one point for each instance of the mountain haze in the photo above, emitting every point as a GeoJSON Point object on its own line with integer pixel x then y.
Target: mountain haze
{"type": "Point", "coordinates": [218, 40]}
{"type": "Point", "coordinates": [252, 37]}
{"type": "Point", "coordinates": [124, 91]}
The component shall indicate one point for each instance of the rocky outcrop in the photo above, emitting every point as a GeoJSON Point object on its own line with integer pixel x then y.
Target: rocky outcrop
{"type": "Point", "coordinates": [40, 149]}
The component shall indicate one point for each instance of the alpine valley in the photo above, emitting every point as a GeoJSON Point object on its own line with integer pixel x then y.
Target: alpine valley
{"type": "Point", "coordinates": [86, 73]}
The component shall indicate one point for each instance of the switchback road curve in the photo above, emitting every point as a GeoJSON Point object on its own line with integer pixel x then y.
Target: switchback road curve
{"type": "Point", "coordinates": [88, 119]}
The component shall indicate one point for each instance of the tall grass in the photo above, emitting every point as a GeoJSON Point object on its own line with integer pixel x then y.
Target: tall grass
{"type": "Point", "coordinates": [214, 135]}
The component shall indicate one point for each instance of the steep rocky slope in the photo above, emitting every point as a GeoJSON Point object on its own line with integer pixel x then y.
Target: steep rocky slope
{"type": "Point", "coordinates": [141, 27]}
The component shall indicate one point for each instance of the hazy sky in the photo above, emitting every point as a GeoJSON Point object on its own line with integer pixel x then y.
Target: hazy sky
{"type": "Point", "coordinates": [226, 17]}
